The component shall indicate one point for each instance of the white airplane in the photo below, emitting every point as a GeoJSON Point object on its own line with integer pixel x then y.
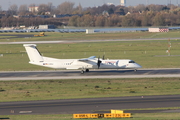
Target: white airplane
{"type": "Point", "coordinates": [84, 64]}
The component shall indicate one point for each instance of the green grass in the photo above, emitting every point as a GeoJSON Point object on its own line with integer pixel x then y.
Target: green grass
{"type": "Point", "coordinates": [149, 54]}
{"type": "Point", "coordinates": [84, 36]}
{"type": "Point", "coordinates": [74, 36]}
{"type": "Point", "coordinates": [91, 88]}
{"type": "Point", "coordinates": [137, 116]}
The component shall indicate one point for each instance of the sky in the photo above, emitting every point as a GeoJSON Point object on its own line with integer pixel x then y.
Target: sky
{"type": "Point", "coordinates": [85, 3]}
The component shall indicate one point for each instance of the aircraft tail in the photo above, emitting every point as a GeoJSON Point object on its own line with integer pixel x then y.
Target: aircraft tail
{"type": "Point", "coordinates": [33, 53]}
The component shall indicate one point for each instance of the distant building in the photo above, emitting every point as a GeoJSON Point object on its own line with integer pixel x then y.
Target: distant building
{"type": "Point", "coordinates": [164, 29]}
{"type": "Point", "coordinates": [33, 9]}
{"type": "Point", "coordinates": [47, 13]}
{"type": "Point", "coordinates": [43, 16]}
{"type": "Point", "coordinates": [61, 16]}
{"type": "Point", "coordinates": [110, 3]}
{"type": "Point", "coordinates": [123, 2]}
{"type": "Point", "coordinates": [66, 15]}
{"type": "Point", "coordinates": [89, 31]}
{"type": "Point", "coordinates": [47, 27]}
{"type": "Point", "coordinates": [105, 13]}
{"type": "Point", "coordinates": [32, 16]}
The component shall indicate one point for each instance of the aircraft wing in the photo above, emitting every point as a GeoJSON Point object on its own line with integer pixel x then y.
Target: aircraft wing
{"type": "Point", "coordinates": [87, 59]}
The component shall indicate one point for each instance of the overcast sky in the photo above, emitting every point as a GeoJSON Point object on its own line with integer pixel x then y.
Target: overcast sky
{"type": "Point", "coordinates": [85, 3]}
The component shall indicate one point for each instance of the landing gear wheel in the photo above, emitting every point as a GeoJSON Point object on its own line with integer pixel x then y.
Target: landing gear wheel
{"type": "Point", "coordinates": [87, 70]}
{"type": "Point", "coordinates": [82, 71]}
{"type": "Point", "coordinates": [135, 70]}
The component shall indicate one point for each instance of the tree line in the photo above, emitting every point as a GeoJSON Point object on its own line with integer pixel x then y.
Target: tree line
{"type": "Point", "coordinates": [101, 16]}
{"type": "Point", "coordinates": [147, 18]}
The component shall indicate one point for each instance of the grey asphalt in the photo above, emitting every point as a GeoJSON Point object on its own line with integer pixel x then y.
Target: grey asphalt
{"type": "Point", "coordinates": [83, 41]}
{"type": "Point", "coordinates": [10, 36]}
{"type": "Point", "coordinates": [92, 105]}
{"type": "Point", "coordinates": [63, 74]}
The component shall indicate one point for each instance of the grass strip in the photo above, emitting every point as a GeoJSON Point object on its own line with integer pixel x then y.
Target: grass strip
{"type": "Point", "coordinates": [86, 88]}
{"type": "Point", "coordinates": [149, 54]}
{"type": "Point", "coordinates": [138, 116]}
{"type": "Point", "coordinates": [83, 36]}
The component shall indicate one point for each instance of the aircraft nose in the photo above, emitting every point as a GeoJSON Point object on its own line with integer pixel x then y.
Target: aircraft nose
{"type": "Point", "coordinates": [138, 66]}
{"type": "Point", "coordinates": [135, 65]}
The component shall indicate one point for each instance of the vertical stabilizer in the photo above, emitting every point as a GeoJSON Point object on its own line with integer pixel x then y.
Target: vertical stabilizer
{"type": "Point", "coordinates": [33, 53]}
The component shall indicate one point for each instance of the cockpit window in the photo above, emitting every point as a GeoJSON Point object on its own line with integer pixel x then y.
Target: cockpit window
{"type": "Point", "coordinates": [131, 61]}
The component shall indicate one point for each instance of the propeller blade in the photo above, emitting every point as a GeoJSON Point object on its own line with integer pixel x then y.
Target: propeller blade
{"type": "Point", "coordinates": [99, 63]}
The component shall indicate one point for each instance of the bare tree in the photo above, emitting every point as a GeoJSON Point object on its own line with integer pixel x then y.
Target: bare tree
{"type": "Point", "coordinates": [128, 21]}
{"type": "Point", "coordinates": [154, 7]}
{"type": "Point", "coordinates": [43, 8]}
{"type": "Point", "coordinates": [50, 6]}
{"type": "Point", "coordinates": [66, 8]}
{"type": "Point", "coordinates": [0, 8]}
{"type": "Point", "coordinates": [100, 21]}
{"type": "Point", "coordinates": [23, 9]}
{"type": "Point", "coordinates": [158, 20]}
{"type": "Point", "coordinates": [73, 21]}
{"type": "Point", "coordinates": [140, 7]}
{"type": "Point", "coordinates": [32, 8]}
{"type": "Point", "coordinates": [4, 22]}
{"type": "Point", "coordinates": [113, 20]}
{"type": "Point", "coordinates": [144, 20]}
{"type": "Point", "coordinates": [80, 9]}
{"type": "Point", "coordinates": [87, 21]}
{"type": "Point", "coordinates": [13, 9]}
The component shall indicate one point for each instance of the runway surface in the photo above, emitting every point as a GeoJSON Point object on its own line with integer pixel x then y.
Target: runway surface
{"type": "Point", "coordinates": [63, 74]}
{"type": "Point", "coordinates": [83, 41]}
{"type": "Point", "coordinates": [93, 105]}
{"type": "Point", "coordinates": [10, 36]}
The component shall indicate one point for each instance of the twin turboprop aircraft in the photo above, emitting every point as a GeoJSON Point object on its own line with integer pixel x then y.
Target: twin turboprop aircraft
{"type": "Point", "coordinates": [84, 64]}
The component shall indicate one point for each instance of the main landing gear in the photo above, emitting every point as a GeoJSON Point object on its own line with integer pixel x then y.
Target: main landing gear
{"type": "Point", "coordinates": [82, 71]}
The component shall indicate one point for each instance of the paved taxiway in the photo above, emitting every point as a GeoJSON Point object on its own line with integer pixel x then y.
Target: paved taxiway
{"type": "Point", "coordinates": [84, 41]}
{"type": "Point", "coordinates": [63, 74]}
{"type": "Point", "coordinates": [93, 105]}
{"type": "Point", "coordinates": [89, 105]}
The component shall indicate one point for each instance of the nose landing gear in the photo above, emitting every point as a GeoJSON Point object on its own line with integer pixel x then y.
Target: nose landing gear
{"type": "Point", "coordinates": [82, 71]}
